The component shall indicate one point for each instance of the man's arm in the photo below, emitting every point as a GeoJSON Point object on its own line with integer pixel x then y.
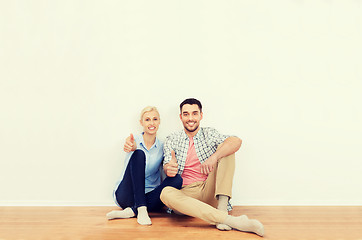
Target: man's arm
{"type": "Point", "coordinates": [228, 147]}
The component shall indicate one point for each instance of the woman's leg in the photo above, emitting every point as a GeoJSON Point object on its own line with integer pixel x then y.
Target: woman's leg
{"type": "Point", "coordinates": [130, 193]}
{"type": "Point", "coordinates": [154, 203]}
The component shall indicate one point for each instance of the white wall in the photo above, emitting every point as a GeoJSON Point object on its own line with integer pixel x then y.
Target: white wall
{"type": "Point", "coordinates": [285, 76]}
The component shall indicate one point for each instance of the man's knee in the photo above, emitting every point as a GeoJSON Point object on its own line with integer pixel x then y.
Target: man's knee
{"type": "Point", "coordinates": [165, 193]}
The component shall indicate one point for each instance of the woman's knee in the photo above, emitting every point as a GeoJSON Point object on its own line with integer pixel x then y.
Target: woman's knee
{"type": "Point", "coordinates": [178, 181]}
{"type": "Point", "coordinates": [138, 156]}
{"type": "Point", "coordinates": [175, 181]}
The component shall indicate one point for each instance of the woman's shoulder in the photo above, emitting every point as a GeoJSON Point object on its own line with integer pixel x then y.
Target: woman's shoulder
{"type": "Point", "coordinates": [138, 137]}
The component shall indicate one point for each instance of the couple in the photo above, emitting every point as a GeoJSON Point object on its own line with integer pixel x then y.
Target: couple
{"type": "Point", "coordinates": [199, 164]}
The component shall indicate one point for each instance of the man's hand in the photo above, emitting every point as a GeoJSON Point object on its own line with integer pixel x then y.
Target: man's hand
{"type": "Point", "coordinates": [130, 144]}
{"type": "Point", "coordinates": [209, 165]}
{"type": "Point", "coordinates": [171, 167]}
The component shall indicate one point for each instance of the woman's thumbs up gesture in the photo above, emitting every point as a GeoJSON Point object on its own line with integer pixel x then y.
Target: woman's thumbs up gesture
{"type": "Point", "coordinates": [130, 144]}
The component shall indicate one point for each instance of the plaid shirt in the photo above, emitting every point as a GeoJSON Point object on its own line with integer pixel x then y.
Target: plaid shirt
{"type": "Point", "coordinates": [206, 142]}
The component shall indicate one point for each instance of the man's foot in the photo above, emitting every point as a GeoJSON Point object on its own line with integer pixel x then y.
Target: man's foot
{"type": "Point", "coordinates": [222, 205]}
{"type": "Point", "coordinates": [243, 223]}
{"type": "Point", "coordinates": [223, 227]}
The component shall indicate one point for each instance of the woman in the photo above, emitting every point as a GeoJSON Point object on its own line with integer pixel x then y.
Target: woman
{"type": "Point", "coordinates": [139, 188]}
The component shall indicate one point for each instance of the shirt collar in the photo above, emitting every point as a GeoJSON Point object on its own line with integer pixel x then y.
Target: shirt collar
{"type": "Point", "coordinates": [185, 136]}
{"type": "Point", "coordinates": [142, 141]}
{"type": "Point", "coordinates": [197, 136]}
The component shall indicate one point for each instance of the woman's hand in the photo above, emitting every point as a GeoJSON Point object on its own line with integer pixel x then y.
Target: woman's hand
{"type": "Point", "coordinates": [130, 144]}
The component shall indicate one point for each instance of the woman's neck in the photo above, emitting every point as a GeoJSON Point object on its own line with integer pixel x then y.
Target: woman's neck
{"type": "Point", "coordinates": [149, 140]}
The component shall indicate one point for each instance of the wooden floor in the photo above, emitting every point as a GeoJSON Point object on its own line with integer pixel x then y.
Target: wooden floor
{"type": "Point", "coordinates": [304, 223]}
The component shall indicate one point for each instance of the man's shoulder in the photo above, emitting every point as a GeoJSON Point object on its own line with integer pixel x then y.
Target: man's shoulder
{"type": "Point", "coordinates": [176, 135]}
{"type": "Point", "coordinates": [210, 134]}
{"type": "Point", "coordinates": [208, 130]}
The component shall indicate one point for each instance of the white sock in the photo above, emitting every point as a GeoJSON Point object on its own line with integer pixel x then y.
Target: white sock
{"type": "Point", "coordinates": [126, 213]}
{"type": "Point", "coordinates": [222, 202]}
{"type": "Point", "coordinates": [243, 223]}
{"type": "Point", "coordinates": [142, 216]}
{"type": "Point", "coordinates": [222, 205]}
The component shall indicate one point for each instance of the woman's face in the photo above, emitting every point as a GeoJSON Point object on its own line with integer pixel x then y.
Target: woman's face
{"type": "Point", "coordinates": [150, 122]}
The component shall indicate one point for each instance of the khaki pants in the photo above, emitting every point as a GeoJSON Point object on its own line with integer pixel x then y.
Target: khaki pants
{"type": "Point", "coordinates": [199, 199]}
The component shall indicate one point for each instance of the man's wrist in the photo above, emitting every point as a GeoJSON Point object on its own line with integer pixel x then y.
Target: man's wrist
{"type": "Point", "coordinates": [216, 156]}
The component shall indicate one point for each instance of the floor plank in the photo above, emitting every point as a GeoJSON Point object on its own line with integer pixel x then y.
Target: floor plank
{"type": "Point", "coordinates": [302, 223]}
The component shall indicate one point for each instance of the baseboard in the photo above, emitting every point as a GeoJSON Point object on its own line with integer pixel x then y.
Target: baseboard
{"type": "Point", "coordinates": [297, 203]}
{"type": "Point", "coordinates": [54, 203]}
{"type": "Point", "coordinates": [234, 203]}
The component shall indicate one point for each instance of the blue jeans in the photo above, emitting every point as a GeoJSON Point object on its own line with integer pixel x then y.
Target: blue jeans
{"type": "Point", "coordinates": [131, 190]}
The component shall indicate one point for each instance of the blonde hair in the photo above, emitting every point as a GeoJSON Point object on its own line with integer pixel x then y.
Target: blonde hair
{"type": "Point", "coordinates": [148, 109]}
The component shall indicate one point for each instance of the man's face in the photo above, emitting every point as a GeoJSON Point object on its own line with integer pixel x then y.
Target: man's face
{"type": "Point", "coordinates": [190, 116]}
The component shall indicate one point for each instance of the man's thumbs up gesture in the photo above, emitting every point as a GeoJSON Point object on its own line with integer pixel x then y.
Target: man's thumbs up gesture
{"type": "Point", "coordinates": [130, 144]}
{"type": "Point", "coordinates": [171, 167]}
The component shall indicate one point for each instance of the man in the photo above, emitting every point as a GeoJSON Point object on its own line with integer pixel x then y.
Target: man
{"type": "Point", "coordinates": [206, 161]}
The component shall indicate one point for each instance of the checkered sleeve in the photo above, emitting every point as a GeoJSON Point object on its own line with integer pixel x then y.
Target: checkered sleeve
{"type": "Point", "coordinates": [215, 137]}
